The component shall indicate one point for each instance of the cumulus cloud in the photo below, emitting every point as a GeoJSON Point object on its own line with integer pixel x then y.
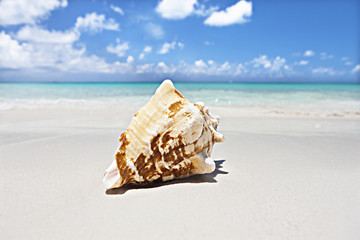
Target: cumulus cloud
{"type": "Point", "coordinates": [119, 49]}
{"type": "Point", "coordinates": [146, 50]}
{"type": "Point", "coordinates": [38, 34]}
{"type": "Point", "coordinates": [309, 53]}
{"type": "Point", "coordinates": [154, 30]}
{"type": "Point", "coordinates": [327, 71]}
{"type": "Point", "coordinates": [141, 56]}
{"type": "Point", "coordinates": [356, 69]}
{"type": "Point", "coordinates": [166, 47]}
{"type": "Point", "coordinates": [53, 55]}
{"type": "Point", "coordinates": [264, 66]}
{"type": "Point", "coordinates": [13, 54]}
{"type": "Point", "coordinates": [27, 12]}
{"type": "Point", "coordinates": [64, 57]}
{"type": "Point", "coordinates": [93, 23]}
{"type": "Point", "coordinates": [117, 9]}
{"type": "Point", "coordinates": [211, 68]}
{"type": "Point", "coordinates": [145, 68]}
{"type": "Point", "coordinates": [174, 9]}
{"type": "Point", "coordinates": [302, 62]}
{"type": "Point", "coordinates": [130, 59]}
{"type": "Point", "coordinates": [202, 11]}
{"type": "Point", "coordinates": [34, 48]}
{"type": "Point", "coordinates": [200, 63]}
{"type": "Point", "coordinates": [238, 13]}
{"type": "Point", "coordinates": [262, 61]}
{"type": "Point", "coordinates": [199, 67]}
{"type": "Point", "coordinates": [277, 64]}
{"type": "Point", "coordinates": [41, 49]}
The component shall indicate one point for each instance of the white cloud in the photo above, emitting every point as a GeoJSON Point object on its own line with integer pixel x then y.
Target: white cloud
{"type": "Point", "coordinates": [302, 62]}
{"type": "Point", "coordinates": [211, 68]}
{"type": "Point", "coordinates": [241, 69]}
{"type": "Point", "coordinates": [120, 49]}
{"type": "Point", "coordinates": [328, 71]}
{"type": "Point", "coordinates": [356, 69]}
{"type": "Point", "coordinates": [277, 68]}
{"type": "Point", "coordinates": [93, 23]}
{"type": "Point", "coordinates": [154, 30]}
{"type": "Point", "coordinates": [38, 34]}
{"type": "Point", "coordinates": [322, 70]}
{"type": "Point", "coordinates": [146, 50]}
{"type": "Point", "coordinates": [277, 64]}
{"type": "Point", "coordinates": [262, 61]}
{"type": "Point", "coordinates": [39, 55]}
{"type": "Point", "coordinates": [161, 67]}
{"type": "Point", "coordinates": [225, 67]}
{"type": "Point", "coordinates": [33, 54]}
{"type": "Point", "coordinates": [145, 68]}
{"type": "Point", "coordinates": [199, 67]}
{"type": "Point", "coordinates": [64, 57]}
{"type": "Point", "coordinates": [117, 9]}
{"type": "Point", "coordinates": [166, 47]}
{"type": "Point", "coordinates": [348, 63]}
{"type": "Point", "coordinates": [235, 14]}
{"type": "Point", "coordinates": [14, 12]}
{"type": "Point", "coordinates": [175, 9]}
{"type": "Point", "coordinates": [202, 11]}
{"type": "Point", "coordinates": [325, 56]}
{"type": "Point", "coordinates": [263, 66]}
{"type": "Point", "coordinates": [130, 59]}
{"type": "Point", "coordinates": [200, 63]}
{"type": "Point", "coordinates": [309, 53]}
{"type": "Point", "coordinates": [344, 59]}
{"type": "Point", "coordinates": [13, 54]}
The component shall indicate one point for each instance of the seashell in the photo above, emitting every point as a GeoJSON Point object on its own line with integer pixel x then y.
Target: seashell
{"type": "Point", "coordinates": [168, 138]}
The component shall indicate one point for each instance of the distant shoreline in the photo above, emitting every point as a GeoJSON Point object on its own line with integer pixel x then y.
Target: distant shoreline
{"type": "Point", "coordinates": [187, 82]}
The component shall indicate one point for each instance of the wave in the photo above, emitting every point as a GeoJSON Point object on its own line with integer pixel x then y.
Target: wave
{"type": "Point", "coordinates": [257, 107]}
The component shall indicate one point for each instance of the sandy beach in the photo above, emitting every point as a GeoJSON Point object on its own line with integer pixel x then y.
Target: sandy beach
{"type": "Point", "coordinates": [276, 178]}
{"type": "Point", "coordinates": [283, 76]}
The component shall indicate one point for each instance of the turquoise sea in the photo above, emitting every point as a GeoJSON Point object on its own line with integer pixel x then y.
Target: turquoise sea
{"type": "Point", "coordinates": [263, 98]}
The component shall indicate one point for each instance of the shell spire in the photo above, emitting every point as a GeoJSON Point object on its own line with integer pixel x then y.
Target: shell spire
{"type": "Point", "coordinates": [168, 138]}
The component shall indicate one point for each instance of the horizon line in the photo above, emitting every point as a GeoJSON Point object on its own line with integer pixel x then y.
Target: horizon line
{"type": "Point", "coordinates": [182, 81]}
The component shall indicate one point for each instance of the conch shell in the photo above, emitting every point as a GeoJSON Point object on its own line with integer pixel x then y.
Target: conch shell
{"type": "Point", "coordinates": [168, 138]}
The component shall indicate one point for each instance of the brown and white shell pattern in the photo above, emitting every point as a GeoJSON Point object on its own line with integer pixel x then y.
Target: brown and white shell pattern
{"type": "Point", "coordinates": [168, 138]}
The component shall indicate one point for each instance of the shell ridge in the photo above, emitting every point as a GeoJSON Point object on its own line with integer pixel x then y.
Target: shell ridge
{"type": "Point", "coordinates": [169, 137]}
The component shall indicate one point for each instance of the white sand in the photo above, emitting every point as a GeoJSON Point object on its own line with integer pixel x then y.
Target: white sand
{"type": "Point", "coordinates": [282, 178]}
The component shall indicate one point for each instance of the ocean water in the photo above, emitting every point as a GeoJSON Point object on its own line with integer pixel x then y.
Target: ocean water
{"type": "Point", "coordinates": [327, 100]}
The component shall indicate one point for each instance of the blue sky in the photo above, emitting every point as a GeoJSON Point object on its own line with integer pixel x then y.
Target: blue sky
{"type": "Point", "coordinates": [188, 40]}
